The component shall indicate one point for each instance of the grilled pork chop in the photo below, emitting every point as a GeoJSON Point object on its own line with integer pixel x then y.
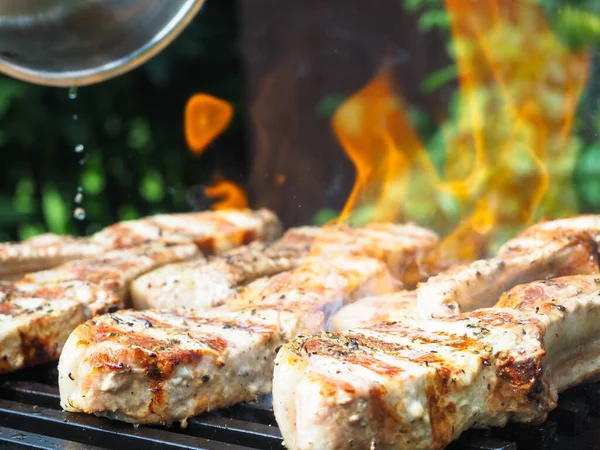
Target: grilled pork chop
{"type": "Point", "coordinates": [373, 310]}
{"type": "Point", "coordinates": [561, 247]}
{"type": "Point", "coordinates": [33, 330]}
{"type": "Point", "coordinates": [41, 310]}
{"type": "Point", "coordinates": [42, 252]}
{"type": "Point", "coordinates": [409, 252]}
{"type": "Point", "coordinates": [164, 366]}
{"type": "Point", "coordinates": [103, 283]}
{"type": "Point", "coordinates": [589, 223]}
{"type": "Point", "coordinates": [202, 284]}
{"type": "Point", "coordinates": [419, 384]}
{"type": "Point", "coordinates": [536, 254]}
{"type": "Point", "coordinates": [213, 231]}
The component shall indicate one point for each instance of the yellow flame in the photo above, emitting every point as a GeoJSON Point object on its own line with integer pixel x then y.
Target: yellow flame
{"type": "Point", "coordinates": [509, 151]}
{"type": "Point", "coordinates": [206, 117]}
{"type": "Point", "coordinates": [375, 132]}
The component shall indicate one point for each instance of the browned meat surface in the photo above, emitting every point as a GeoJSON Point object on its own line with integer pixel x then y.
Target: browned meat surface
{"type": "Point", "coordinates": [39, 312]}
{"type": "Point", "coordinates": [160, 366]}
{"type": "Point", "coordinates": [419, 384]}
{"type": "Point", "coordinates": [42, 252]}
{"type": "Point", "coordinates": [212, 231]}
{"type": "Point", "coordinates": [407, 250]}
{"type": "Point", "coordinates": [205, 284]}
{"type": "Point", "coordinates": [373, 310]}
{"type": "Point", "coordinates": [534, 255]}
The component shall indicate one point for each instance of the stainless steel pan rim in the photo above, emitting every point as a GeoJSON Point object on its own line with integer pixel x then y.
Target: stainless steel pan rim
{"type": "Point", "coordinates": [103, 70]}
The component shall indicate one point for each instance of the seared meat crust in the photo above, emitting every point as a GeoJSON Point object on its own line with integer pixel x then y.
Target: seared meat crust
{"type": "Point", "coordinates": [42, 252]}
{"type": "Point", "coordinates": [549, 249]}
{"type": "Point", "coordinates": [212, 231]}
{"type": "Point", "coordinates": [373, 310]}
{"type": "Point", "coordinates": [40, 311]}
{"type": "Point", "coordinates": [205, 284]}
{"type": "Point", "coordinates": [409, 252]}
{"type": "Point", "coordinates": [159, 366]}
{"type": "Point", "coordinates": [420, 383]}
{"type": "Point", "coordinates": [534, 255]}
{"type": "Point", "coordinates": [34, 330]}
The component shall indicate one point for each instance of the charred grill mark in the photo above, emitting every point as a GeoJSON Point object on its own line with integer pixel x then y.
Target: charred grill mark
{"type": "Point", "coordinates": [37, 351]}
{"type": "Point", "coordinates": [206, 244]}
{"type": "Point", "coordinates": [166, 350]}
{"type": "Point", "coordinates": [442, 415]}
{"type": "Point", "coordinates": [519, 372]}
{"type": "Point", "coordinates": [381, 414]}
{"type": "Point", "coordinates": [420, 337]}
{"type": "Point", "coordinates": [350, 352]}
{"type": "Point", "coordinates": [217, 343]}
{"type": "Point", "coordinates": [247, 237]}
{"type": "Point", "coordinates": [154, 373]}
{"type": "Point", "coordinates": [490, 318]}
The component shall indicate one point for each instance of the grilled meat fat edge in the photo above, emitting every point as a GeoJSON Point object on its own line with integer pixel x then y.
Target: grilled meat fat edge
{"type": "Point", "coordinates": [419, 384]}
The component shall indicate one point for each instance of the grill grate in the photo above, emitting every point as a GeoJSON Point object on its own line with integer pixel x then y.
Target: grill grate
{"type": "Point", "coordinates": [30, 417]}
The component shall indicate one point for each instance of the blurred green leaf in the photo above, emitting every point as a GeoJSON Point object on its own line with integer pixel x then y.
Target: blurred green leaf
{"type": "Point", "coordinates": [23, 200]}
{"type": "Point", "coordinates": [140, 135]}
{"type": "Point", "coordinates": [591, 192]}
{"type": "Point", "coordinates": [9, 90]}
{"type": "Point", "coordinates": [28, 230]}
{"type": "Point", "coordinates": [362, 215]}
{"type": "Point", "coordinates": [152, 187]}
{"type": "Point", "coordinates": [439, 79]}
{"type": "Point", "coordinates": [324, 216]}
{"type": "Point", "coordinates": [434, 19]}
{"type": "Point", "coordinates": [578, 27]}
{"type": "Point", "coordinates": [128, 212]}
{"type": "Point", "coordinates": [328, 105]}
{"type": "Point", "coordinates": [56, 212]}
{"type": "Point", "coordinates": [92, 182]}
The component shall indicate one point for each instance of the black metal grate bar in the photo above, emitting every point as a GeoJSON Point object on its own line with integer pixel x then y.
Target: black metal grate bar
{"type": "Point", "coordinates": [18, 439]}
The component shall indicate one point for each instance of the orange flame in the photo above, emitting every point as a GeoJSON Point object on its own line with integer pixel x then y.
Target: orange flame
{"type": "Point", "coordinates": [230, 194]}
{"type": "Point", "coordinates": [376, 134]}
{"type": "Point", "coordinates": [206, 117]}
{"type": "Point", "coordinates": [509, 151]}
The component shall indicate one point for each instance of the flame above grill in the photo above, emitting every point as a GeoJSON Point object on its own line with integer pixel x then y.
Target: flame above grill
{"type": "Point", "coordinates": [206, 117]}
{"type": "Point", "coordinates": [509, 153]}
